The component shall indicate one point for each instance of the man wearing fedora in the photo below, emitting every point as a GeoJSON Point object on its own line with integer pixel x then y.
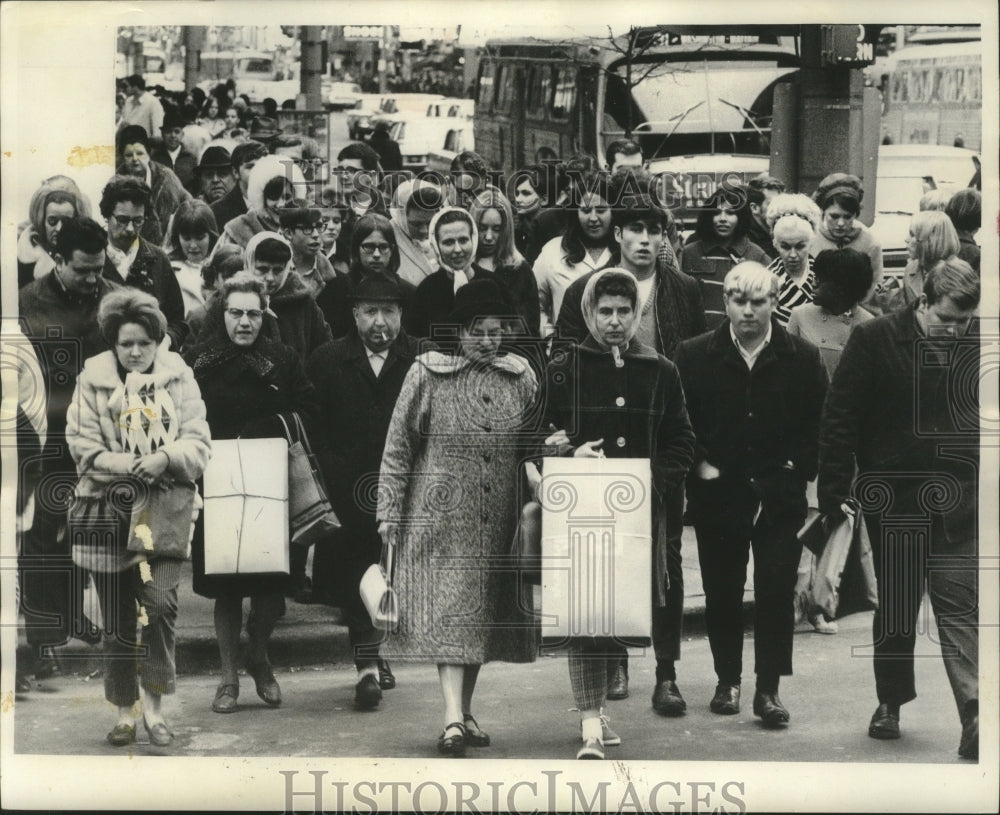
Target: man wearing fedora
{"type": "Point", "coordinates": [214, 175]}
{"type": "Point", "coordinates": [234, 203]}
{"type": "Point", "coordinates": [171, 153]}
{"type": "Point", "coordinates": [358, 379]}
{"type": "Point", "coordinates": [265, 130]}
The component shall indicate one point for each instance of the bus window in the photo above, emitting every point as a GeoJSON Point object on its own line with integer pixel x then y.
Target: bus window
{"type": "Point", "coordinates": [506, 90]}
{"type": "Point", "coordinates": [539, 86]}
{"type": "Point", "coordinates": [486, 90]}
{"type": "Point", "coordinates": [565, 93]}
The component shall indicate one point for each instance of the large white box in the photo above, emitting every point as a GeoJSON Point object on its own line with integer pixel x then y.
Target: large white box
{"type": "Point", "coordinates": [246, 507]}
{"type": "Point", "coordinates": [596, 548]}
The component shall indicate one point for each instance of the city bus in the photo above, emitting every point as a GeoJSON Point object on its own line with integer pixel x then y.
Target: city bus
{"type": "Point", "coordinates": [933, 94]}
{"type": "Point", "coordinates": [691, 94]}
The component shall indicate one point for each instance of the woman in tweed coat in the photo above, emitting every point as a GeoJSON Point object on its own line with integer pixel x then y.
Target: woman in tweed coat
{"type": "Point", "coordinates": [138, 378]}
{"type": "Point", "coordinates": [448, 500]}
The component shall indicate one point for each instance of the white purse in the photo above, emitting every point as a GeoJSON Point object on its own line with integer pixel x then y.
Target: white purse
{"type": "Point", "coordinates": [377, 592]}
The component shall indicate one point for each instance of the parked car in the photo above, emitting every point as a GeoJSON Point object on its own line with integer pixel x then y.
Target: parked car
{"type": "Point", "coordinates": [418, 137]}
{"type": "Point", "coordinates": [403, 106]}
{"type": "Point", "coordinates": [258, 76]}
{"type": "Point", "coordinates": [359, 119]}
{"type": "Point", "coordinates": [905, 173]}
{"type": "Point", "coordinates": [343, 96]}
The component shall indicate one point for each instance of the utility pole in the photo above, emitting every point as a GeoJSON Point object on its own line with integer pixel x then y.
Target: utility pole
{"type": "Point", "coordinates": [312, 67]}
{"type": "Point", "coordinates": [194, 39]}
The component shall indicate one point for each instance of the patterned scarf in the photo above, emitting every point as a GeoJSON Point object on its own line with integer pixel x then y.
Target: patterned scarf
{"type": "Point", "coordinates": [148, 414]}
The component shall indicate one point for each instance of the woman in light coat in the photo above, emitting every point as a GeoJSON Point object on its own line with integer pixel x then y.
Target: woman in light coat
{"type": "Point", "coordinates": [136, 423]}
{"type": "Point", "coordinates": [448, 501]}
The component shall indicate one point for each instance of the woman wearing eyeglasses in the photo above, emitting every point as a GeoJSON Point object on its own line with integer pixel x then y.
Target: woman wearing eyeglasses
{"type": "Point", "coordinates": [246, 379]}
{"type": "Point", "coordinates": [373, 250]}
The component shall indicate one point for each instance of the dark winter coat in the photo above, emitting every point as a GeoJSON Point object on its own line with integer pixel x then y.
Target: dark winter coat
{"type": "Point", "coordinates": [759, 426]}
{"type": "Point", "coordinates": [892, 409]}
{"type": "Point", "coordinates": [709, 263]}
{"type": "Point", "coordinates": [300, 320]}
{"type": "Point", "coordinates": [522, 289]}
{"type": "Point", "coordinates": [356, 409]}
{"type": "Point", "coordinates": [230, 206]}
{"type": "Point", "coordinates": [638, 409]}
{"type": "Point", "coordinates": [44, 305]}
{"type": "Point", "coordinates": [151, 272]}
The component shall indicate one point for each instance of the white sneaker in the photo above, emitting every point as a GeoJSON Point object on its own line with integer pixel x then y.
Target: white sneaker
{"type": "Point", "coordinates": [591, 749]}
{"type": "Point", "coordinates": [609, 736]}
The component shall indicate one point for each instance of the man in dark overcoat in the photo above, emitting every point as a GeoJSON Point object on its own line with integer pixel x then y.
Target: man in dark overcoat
{"type": "Point", "coordinates": [754, 394]}
{"type": "Point", "coordinates": [903, 412]}
{"type": "Point", "coordinates": [59, 317]}
{"type": "Point", "coordinates": [358, 379]}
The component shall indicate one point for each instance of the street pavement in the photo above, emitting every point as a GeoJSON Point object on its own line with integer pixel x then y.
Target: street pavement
{"type": "Point", "coordinates": [527, 711]}
{"type": "Point", "coordinates": [525, 708]}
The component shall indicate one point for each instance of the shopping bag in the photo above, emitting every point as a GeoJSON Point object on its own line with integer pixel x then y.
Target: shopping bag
{"type": "Point", "coordinates": [377, 592]}
{"type": "Point", "coordinates": [596, 548]}
{"type": "Point", "coordinates": [310, 515]}
{"type": "Point", "coordinates": [246, 507]}
{"type": "Point", "coordinates": [162, 524]}
{"type": "Point", "coordinates": [846, 545]}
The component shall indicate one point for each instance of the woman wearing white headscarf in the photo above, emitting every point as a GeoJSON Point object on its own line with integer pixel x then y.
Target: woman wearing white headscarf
{"type": "Point", "coordinates": [274, 182]}
{"type": "Point", "coordinates": [615, 397]}
{"type": "Point", "coordinates": [454, 238]}
{"type": "Point", "coordinates": [414, 204]}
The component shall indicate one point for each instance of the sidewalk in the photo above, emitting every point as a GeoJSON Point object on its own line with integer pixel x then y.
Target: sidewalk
{"type": "Point", "coordinates": [315, 634]}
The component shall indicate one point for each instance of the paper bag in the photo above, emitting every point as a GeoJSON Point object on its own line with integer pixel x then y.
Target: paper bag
{"type": "Point", "coordinates": [596, 548]}
{"type": "Point", "coordinates": [246, 507]}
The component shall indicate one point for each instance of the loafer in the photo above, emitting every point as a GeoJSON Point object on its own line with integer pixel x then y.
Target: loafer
{"type": "Point", "coordinates": [618, 686]}
{"type": "Point", "coordinates": [22, 684]}
{"type": "Point", "coordinates": [591, 749]}
{"type": "Point", "coordinates": [726, 701]}
{"type": "Point", "coordinates": [884, 723]}
{"type": "Point", "coordinates": [367, 693]}
{"type": "Point", "coordinates": [122, 735]}
{"type": "Point", "coordinates": [968, 747]}
{"type": "Point", "coordinates": [768, 706]}
{"type": "Point", "coordinates": [386, 680]}
{"type": "Point", "coordinates": [475, 736]}
{"type": "Point", "coordinates": [453, 745]}
{"type": "Point", "coordinates": [225, 698]}
{"type": "Point", "coordinates": [265, 683]}
{"type": "Point", "coordinates": [667, 699]}
{"type": "Point", "coordinates": [159, 734]}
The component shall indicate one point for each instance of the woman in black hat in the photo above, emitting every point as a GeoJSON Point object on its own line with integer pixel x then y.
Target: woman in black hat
{"type": "Point", "coordinates": [455, 442]}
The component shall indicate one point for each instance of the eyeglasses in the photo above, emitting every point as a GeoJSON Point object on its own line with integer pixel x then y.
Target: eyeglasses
{"type": "Point", "coordinates": [240, 313]}
{"type": "Point", "coordinates": [372, 248]}
{"type": "Point", "coordinates": [124, 220]}
{"type": "Point", "coordinates": [308, 230]}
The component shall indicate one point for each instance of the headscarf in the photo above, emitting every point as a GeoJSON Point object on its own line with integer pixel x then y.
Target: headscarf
{"type": "Point", "coordinates": [31, 246]}
{"type": "Point", "coordinates": [588, 305]}
{"type": "Point", "coordinates": [397, 214]}
{"type": "Point", "coordinates": [268, 167]}
{"type": "Point", "coordinates": [463, 275]}
{"type": "Point", "coordinates": [251, 251]}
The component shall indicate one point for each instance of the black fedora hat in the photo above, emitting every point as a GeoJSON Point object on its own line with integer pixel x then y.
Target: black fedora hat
{"type": "Point", "coordinates": [481, 297]}
{"type": "Point", "coordinates": [215, 155]}
{"type": "Point", "coordinates": [264, 127]}
{"type": "Point", "coordinates": [377, 288]}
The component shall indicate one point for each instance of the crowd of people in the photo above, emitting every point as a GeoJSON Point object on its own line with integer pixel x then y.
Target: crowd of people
{"type": "Point", "coordinates": [436, 334]}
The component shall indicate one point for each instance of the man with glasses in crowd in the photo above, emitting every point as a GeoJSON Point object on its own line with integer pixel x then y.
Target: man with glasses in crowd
{"type": "Point", "coordinates": [133, 261]}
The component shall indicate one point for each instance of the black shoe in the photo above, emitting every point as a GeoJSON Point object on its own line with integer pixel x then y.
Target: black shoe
{"type": "Point", "coordinates": [768, 706]}
{"type": "Point", "coordinates": [618, 685]}
{"type": "Point", "coordinates": [267, 686]}
{"type": "Point", "coordinates": [91, 633]}
{"type": "Point", "coordinates": [885, 722]}
{"type": "Point", "coordinates": [474, 736]}
{"type": "Point", "coordinates": [968, 747]}
{"type": "Point", "coordinates": [726, 700]}
{"type": "Point", "coordinates": [122, 735]}
{"type": "Point", "coordinates": [22, 684]}
{"type": "Point", "coordinates": [367, 693]}
{"type": "Point", "coordinates": [453, 745]}
{"type": "Point", "coordinates": [667, 699]}
{"type": "Point", "coordinates": [386, 680]}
